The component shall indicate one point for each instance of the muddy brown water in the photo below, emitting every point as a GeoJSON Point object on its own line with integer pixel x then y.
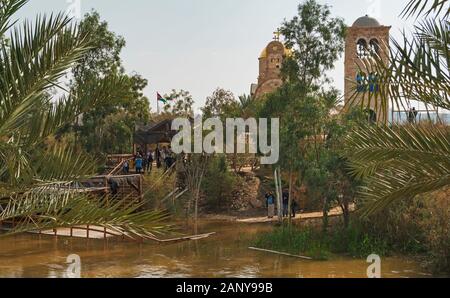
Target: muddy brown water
{"type": "Point", "coordinates": [224, 254]}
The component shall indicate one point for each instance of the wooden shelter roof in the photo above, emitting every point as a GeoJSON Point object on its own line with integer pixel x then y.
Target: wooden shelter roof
{"type": "Point", "coordinates": [154, 133]}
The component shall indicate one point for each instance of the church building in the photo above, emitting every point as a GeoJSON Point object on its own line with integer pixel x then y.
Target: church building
{"type": "Point", "coordinates": [270, 63]}
{"type": "Point", "coordinates": [366, 37]}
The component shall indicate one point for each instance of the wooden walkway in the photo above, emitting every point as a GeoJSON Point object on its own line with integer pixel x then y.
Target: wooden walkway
{"type": "Point", "coordinates": [87, 232]}
{"type": "Point", "coordinates": [95, 232]}
{"type": "Point", "coordinates": [313, 215]}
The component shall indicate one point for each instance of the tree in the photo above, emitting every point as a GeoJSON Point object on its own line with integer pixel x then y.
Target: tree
{"type": "Point", "coordinates": [341, 186]}
{"type": "Point", "coordinates": [317, 41]}
{"type": "Point", "coordinates": [247, 106]}
{"type": "Point", "coordinates": [35, 175]}
{"type": "Point", "coordinates": [131, 107]}
{"type": "Point", "coordinates": [402, 161]}
{"type": "Point", "coordinates": [221, 103]}
{"type": "Point", "coordinates": [180, 103]}
{"type": "Point", "coordinates": [195, 167]}
{"type": "Point", "coordinates": [219, 183]}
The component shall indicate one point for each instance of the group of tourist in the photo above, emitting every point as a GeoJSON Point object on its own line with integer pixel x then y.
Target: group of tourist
{"type": "Point", "coordinates": [143, 162]}
{"type": "Point", "coordinates": [271, 201]}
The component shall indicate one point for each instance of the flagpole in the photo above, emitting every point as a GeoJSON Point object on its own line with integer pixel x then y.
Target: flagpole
{"type": "Point", "coordinates": [157, 104]}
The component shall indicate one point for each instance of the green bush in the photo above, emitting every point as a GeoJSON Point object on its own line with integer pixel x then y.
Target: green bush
{"type": "Point", "coordinates": [218, 184]}
{"type": "Point", "coordinates": [294, 241]}
{"type": "Point", "coordinates": [435, 224]}
{"type": "Point", "coordinates": [356, 242]}
{"type": "Point", "coordinates": [314, 243]}
{"type": "Point", "coordinates": [415, 226]}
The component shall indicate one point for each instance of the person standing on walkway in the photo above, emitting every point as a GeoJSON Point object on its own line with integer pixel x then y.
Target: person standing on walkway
{"type": "Point", "coordinates": [126, 167]}
{"type": "Point", "coordinates": [138, 164]}
{"type": "Point", "coordinates": [293, 208]}
{"type": "Point", "coordinates": [144, 163]}
{"type": "Point", "coordinates": [149, 161]}
{"type": "Point", "coordinates": [285, 203]}
{"type": "Point", "coordinates": [270, 204]}
{"type": "Point", "coordinates": [158, 157]}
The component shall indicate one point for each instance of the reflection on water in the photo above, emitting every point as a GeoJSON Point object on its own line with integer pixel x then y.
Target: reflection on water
{"type": "Point", "coordinates": [225, 254]}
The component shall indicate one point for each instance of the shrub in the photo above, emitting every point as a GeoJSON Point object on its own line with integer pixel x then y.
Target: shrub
{"type": "Point", "coordinates": [218, 184]}
{"type": "Point", "coordinates": [435, 224]}
{"type": "Point", "coordinates": [357, 242]}
{"type": "Point", "coordinates": [314, 243]}
{"type": "Point", "coordinates": [294, 241]}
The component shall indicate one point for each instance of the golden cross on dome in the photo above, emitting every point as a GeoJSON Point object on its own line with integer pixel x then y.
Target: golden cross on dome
{"type": "Point", "coordinates": [277, 35]}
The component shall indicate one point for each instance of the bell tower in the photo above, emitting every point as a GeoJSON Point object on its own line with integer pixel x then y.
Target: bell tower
{"type": "Point", "coordinates": [366, 37]}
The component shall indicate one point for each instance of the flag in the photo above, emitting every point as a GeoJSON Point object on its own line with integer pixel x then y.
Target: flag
{"type": "Point", "coordinates": [160, 98]}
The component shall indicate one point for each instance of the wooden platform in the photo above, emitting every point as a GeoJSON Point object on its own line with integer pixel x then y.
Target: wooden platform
{"type": "Point", "coordinates": [91, 232]}
{"type": "Point", "coordinates": [313, 215]}
{"type": "Point", "coordinates": [95, 232]}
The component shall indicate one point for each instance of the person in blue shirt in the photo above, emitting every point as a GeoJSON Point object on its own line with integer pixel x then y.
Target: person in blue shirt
{"type": "Point", "coordinates": [139, 164]}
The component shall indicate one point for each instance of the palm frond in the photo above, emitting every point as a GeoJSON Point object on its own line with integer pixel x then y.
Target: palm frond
{"type": "Point", "coordinates": [62, 163]}
{"type": "Point", "coordinates": [53, 207]}
{"type": "Point", "coordinates": [7, 9]}
{"type": "Point", "coordinates": [36, 58]}
{"type": "Point", "coordinates": [15, 166]}
{"type": "Point", "coordinates": [426, 7]}
{"type": "Point", "coordinates": [36, 182]}
{"type": "Point", "coordinates": [68, 108]}
{"type": "Point", "coordinates": [399, 162]}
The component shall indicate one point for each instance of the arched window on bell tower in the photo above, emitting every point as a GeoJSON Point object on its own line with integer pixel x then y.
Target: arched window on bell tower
{"type": "Point", "coordinates": [361, 48]}
{"type": "Point", "coordinates": [374, 46]}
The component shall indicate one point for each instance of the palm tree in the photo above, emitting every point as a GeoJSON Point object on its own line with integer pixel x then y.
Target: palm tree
{"type": "Point", "coordinates": [35, 177]}
{"type": "Point", "coordinates": [402, 161]}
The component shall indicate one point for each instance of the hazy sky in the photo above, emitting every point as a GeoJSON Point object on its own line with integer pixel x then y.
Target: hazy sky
{"type": "Point", "coordinates": [198, 45]}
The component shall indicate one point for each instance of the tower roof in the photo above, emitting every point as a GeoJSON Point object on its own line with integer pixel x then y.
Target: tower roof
{"type": "Point", "coordinates": [366, 21]}
{"type": "Point", "coordinates": [287, 52]}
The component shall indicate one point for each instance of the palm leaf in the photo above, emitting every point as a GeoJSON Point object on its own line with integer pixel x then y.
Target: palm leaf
{"type": "Point", "coordinates": [36, 182]}
{"type": "Point", "coordinates": [56, 206]}
{"type": "Point", "coordinates": [36, 58]}
{"type": "Point", "coordinates": [68, 108]}
{"type": "Point", "coordinates": [62, 163]}
{"type": "Point", "coordinates": [399, 162]}
{"type": "Point", "coordinates": [426, 7]}
{"type": "Point", "coordinates": [7, 9]}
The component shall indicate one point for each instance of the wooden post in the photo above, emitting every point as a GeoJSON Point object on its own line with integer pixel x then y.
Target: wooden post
{"type": "Point", "coordinates": [87, 232]}
{"type": "Point", "coordinates": [279, 189]}
{"type": "Point", "coordinates": [140, 188]}
{"type": "Point", "coordinates": [71, 232]}
{"type": "Point", "coordinates": [291, 181]}
{"type": "Point", "coordinates": [107, 199]}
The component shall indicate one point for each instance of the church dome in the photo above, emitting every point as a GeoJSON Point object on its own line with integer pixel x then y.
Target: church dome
{"type": "Point", "coordinates": [287, 52]}
{"type": "Point", "coordinates": [366, 21]}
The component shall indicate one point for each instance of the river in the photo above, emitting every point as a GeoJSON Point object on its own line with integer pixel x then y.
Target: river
{"type": "Point", "coordinates": [224, 254]}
